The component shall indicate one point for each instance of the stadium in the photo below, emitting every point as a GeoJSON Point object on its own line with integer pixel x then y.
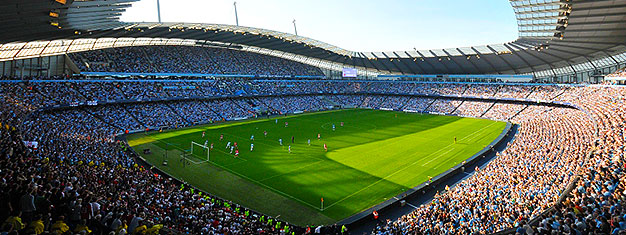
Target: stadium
{"type": "Point", "coordinates": [115, 127]}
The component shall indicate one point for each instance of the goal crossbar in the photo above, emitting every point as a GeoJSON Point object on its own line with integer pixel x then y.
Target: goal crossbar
{"type": "Point", "coordinates": [196, 145]}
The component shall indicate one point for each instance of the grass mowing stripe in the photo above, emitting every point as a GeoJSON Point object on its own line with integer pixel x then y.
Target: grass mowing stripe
{"type": "Point", "coordinates": [289, 172]}
{"type": "Point", "coordinates": [406, 167]}
{"type": "Point", "coordinates": [245, 177]}
{"type": "Point", "coordinates": [267, 186]}
{"type": "Point", "coordinates": [473, 134]}
{"type": "Point", "coordinates": [266, 144]}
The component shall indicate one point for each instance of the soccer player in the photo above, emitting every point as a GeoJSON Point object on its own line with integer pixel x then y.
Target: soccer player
{"type": "Point", "coordinates": [206, 143]}
{"type": "Point", "coordinates": [265, 133]}
{"type": "Point", "coordinates": [333, 127]}
{"type": "Point", "coordinates": [280, 141]}
{"type": "Point", "coordinates": [203, 134]}
{"type": "Point", "coordinates": [341, 123]}
{"type": "Point", "coordinates": [276, 121]}
{"type": "Point", "coordinates": [221, 137]}
{"type": "Point", "coordinates": [293, 139]}
{"type": "Point", "coordinates": [286, 124]}
{"type": "Point", "coordinates": [252, 137]}
{"type": "Point", "coordinates": [237, 153]}
{"type": "Point", "coordinates": [228, 145]}
{"type": "Point", "coordinates": [309, 142]}
{"type": "Point", "coordinates": [325, 147]}
{"type": "Point", "coordinates": [235, 145]}
{"type": "Point", "coordinates": [251, 147]}
{"type": "Point", "coordinates": [289, 148]}
{"type": "Point", "coordinates": [455, 139]}
{"type": "Point", "coordinates": [211, 145]}
{"type": "Point", "coordinates": [319, 136]}
{"type": "Point", "coordinates": [231, 149]}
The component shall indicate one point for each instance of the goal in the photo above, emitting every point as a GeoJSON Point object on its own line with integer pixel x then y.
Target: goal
{"type": "Point", "coordinates": [198, 150]}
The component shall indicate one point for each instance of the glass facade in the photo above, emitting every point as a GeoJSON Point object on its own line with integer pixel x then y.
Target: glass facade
{"type": "Point", "coordinates": [539, 18]}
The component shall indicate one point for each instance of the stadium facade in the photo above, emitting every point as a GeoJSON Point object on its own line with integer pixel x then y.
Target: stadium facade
{"type": "Point", "coordinates": [559, 41]}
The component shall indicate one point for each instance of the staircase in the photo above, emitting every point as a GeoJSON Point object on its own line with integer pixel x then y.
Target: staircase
{"type": "Point", "coordinates": [483, 114]}
{"type": "Point", "coordinates": [522, 110]}
{"type": "Point", "coordinates": [457, 107]}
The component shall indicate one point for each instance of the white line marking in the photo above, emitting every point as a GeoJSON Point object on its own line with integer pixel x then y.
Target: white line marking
{"type": "Point", "coordinates": [431, 160]}
{"type": "Point", "coordinates": [404, 168]}
{"type": "Point", "coordinates": [262, 184]}
{"type": "Point", "coordinates": [472, 134]}
{"type": "Point", "coordinates": [270, 188]}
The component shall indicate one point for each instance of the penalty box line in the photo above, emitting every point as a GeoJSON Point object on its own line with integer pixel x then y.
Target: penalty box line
{"type": "Point", "coordinates": [269, 187]}
{"type": "Point", "coordinates": [190, 159]}
{"type": "Point", "coordinates": [185, 150]}
{"type": "Point", "coordinates": [255, 181]}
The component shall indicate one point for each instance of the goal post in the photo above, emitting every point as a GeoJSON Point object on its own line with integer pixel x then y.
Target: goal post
{"type": "Point", "coordinates": [195, 147]}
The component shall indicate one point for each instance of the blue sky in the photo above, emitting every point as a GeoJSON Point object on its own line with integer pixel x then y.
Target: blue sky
{"type": "Point", "coordinates": [351, 24]}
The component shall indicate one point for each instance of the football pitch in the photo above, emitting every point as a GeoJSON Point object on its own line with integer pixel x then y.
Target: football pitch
{"type": "Point", "coordinates": [374, 156]}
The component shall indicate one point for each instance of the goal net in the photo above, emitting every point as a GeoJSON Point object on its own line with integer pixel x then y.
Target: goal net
{"type": "Point", "coordinates": [198, 154]}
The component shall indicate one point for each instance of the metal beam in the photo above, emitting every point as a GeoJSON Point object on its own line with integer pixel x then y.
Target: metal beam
{"type": "Point", "coordinates": [425, 59]}
{"type": "Point", "coordinates": [457, 64]}
{"type": "Point", "coordinates": [440, 61]}
{"type": "Point", "coordinates": [486, 60]}
{"type": "Point", "coordinates": [470, 61]}
{"type": "Point", "coordinates": [536, 57]}
{"type": "Point", "coordinates": [391, 60]}
{"type": "Point", "coordinates": [415, 60]}
{"type": "Point", "coordinates": [404, 62]}
{"type": "Point", "coordinates": [612, 6]}
{"type": "Point", "coordinates": [495, 53]}
{"type": "Point", "coordinates": [383, 63]}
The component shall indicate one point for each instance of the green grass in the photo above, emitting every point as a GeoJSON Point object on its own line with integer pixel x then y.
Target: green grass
{"type": "Point", "coordinates": [374, 156]}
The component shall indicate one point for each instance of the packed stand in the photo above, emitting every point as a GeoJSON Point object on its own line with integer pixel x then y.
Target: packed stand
{"type": "Point", "coordinates": [418, 103]}
{"type": "Point", "coordinates": [74, 145]}
{"type": "Point", "coordinates": [596, 203]}
{"type": "Point", "coordinates": [443, 106]}
{"type": "Point", "coordinates": [472, 108]}
{"type": "Point", "coordinates": [518, 184]}
{"type": "Point", "coordinates": [503, 111]}
{"type": "Point", "coordinates": [177, 59]}
{"type": "Point", "coordinates": [156, 115]}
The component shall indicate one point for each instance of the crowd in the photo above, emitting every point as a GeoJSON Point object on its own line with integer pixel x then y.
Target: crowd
{"type": "Point", "coordinates": [520, 183]}
{"type": "Point", "coordinates": [596, 204]}
{"type": "Point", "coordinates": [472, 108]}
{"type": "Point", "coordinates": [47, 93]}
{"type": "Point", "coordinates": [619, 73]}
{"type": "Point", "coordinates": [418, 103]}
{"type": "Point", "coordinates": [504, 112]}
{"type": "Point", "coordinates": [443, 106]}
{"type": "Point", "coordinates": [394, 102]}
{"type": "Point", "coordinates": [482, 90]}
{"type": "Point", "coordinates": [80, 179]}
{"type": "Point", "coordinates": [187, 59]}
{"type": "Point", "coordinates": [554, 146]}
{"type": "Point", "coordinates": [290, 104]}
{"type": "Point", "coordinates": [345, 100]}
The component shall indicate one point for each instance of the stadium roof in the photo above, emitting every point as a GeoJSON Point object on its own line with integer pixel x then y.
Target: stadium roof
{"type": "Point", "coordinates": [553, 35]}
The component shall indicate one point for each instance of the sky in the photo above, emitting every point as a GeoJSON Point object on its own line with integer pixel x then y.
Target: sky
{"type": "Point", "coordinates": [366, 25]}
